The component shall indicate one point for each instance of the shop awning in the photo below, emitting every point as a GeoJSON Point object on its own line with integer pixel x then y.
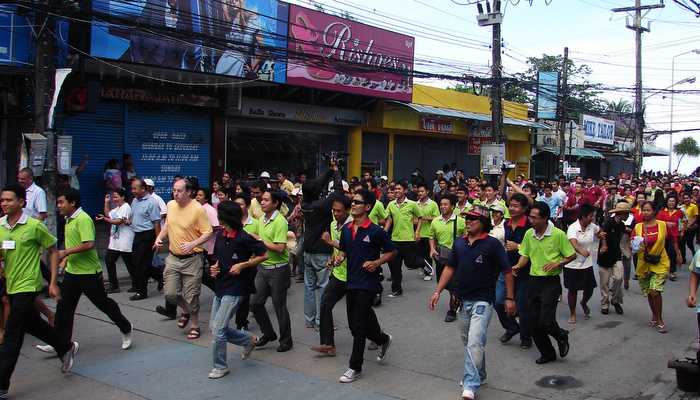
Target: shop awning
{"type": "Point", "coordinates": [448, 112]}
{"type": "Point", "coordinates": [576, 152]}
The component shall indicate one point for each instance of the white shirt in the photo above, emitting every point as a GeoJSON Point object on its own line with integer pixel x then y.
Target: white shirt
{"type": "Point", "coordinates": [499, 232]}
{"type": "Point", "coordinates": [587, 240]}
{"type": "Point", "coordinates": [121, 236]}
{"type": "Point", "coordinates": [160, 202]}
{"type": "Point", "coordinates": [36, 201]}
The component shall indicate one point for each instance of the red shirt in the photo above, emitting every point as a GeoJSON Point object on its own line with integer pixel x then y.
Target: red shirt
{"type": "Point", "coordinates": [594, 194]}
{"type": "Point", "coordinates": [650, 235]}
{"type": "Point", "coordinates": [673, 217]}
{"type": "Point", "coordinates": [637, 214]}
{"type": "Point", "coordinates": [574, 204]}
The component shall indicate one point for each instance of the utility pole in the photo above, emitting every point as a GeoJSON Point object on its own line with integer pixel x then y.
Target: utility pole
{"type": "Point", "coordinates": [494, 18]}
{"type": "Point", "coordinates": [563, 112]}
{"type": "Point", "coordinates": [639, 100]}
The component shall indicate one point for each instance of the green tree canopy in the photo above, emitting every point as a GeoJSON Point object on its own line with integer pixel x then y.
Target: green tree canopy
{"type": "Point", "coordinates": [686, 147]}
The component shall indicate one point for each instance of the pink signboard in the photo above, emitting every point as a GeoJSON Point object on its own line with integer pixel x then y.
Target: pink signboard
{"type": "Point", "coordinates": [333, 53]}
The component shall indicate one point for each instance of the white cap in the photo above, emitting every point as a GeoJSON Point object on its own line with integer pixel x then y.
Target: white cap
{"type": "Point", "coordinates": [265, 174]}
{"type": "Point", "coordinates": [149, 182]}
{"type": "Point", "coordinates": [296, 192]}
{"type": "Point", "coordinates": [384, 178]}
{"type": "Point", "coordinates": [346, 186]}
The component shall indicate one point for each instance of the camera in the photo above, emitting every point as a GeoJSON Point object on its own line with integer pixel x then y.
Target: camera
{"type": "Point", "coordinates": [507, 166]}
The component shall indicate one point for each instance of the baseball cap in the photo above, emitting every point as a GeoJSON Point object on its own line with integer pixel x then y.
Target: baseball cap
{"type": "Point", "coordinates": [498, 207]}
{"type": "Point", "coordinates": [439, 172]}
{"type": "Point", "coordinates": [265, 174]}
{"type": "Point", "coordinates": [149, 182]}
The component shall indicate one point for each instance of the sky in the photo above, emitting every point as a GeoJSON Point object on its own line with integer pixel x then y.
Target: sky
{"type": "Point", "coordinates": [449, 40]}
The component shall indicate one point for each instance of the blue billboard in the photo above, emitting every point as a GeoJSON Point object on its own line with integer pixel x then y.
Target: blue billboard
{"type": "Point", "coordinates": [241, 38]}
{"type": "Point", "coordinates": [16, 45]}
{"type": "Point", "coordinates": [547, 94]}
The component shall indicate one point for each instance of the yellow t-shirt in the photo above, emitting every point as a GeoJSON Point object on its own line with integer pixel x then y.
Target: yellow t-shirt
{"type": "Point", "coordinates": [287, 186]}
{"type": "Point", "coordinates": [186, 224]}
{"type": "Point", "coordinates": [659, 248]}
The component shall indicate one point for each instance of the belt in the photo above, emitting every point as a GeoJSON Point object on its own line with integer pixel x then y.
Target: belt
{"type": "Point", "coordinates": [186, 256]}
{"type": "Point", "coordinates": [274, 266]}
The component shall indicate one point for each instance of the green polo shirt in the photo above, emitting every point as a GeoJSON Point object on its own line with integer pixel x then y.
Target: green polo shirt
{"type": "Point", "coordinates": [552, 247]}
{"type": "Point", "coordinates": [378, 212]}
{"type": "Point", "coordinates": [30, 237]}
{"type": "Point", "coordinates": [428, 212]}
{"type": "Point", "coordinates": [275, 230]}
{"type": "Point", "coordinates": [81, 229]}
{"type": "Point", "coordinates": [252, 226]}
{"type": "Point", "coordinates": [341, 271]}
{"type": "Point", "coordinates": [402, 220]}
{"type": "Point", "coordinates": [444, 231]}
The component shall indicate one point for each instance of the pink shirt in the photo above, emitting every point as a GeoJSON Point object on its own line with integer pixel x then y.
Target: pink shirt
{"type": "Point", "coordinates": [214, 221]}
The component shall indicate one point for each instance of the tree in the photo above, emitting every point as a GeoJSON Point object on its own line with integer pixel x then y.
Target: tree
{"type": "Point", "coordinates": [621, 106]}
{"type": "Point", "coordinates": [686, 147]}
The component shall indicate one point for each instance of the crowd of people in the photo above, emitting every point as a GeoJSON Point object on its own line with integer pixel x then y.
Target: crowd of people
{"type": "Point", "coordinates": [496, 246]}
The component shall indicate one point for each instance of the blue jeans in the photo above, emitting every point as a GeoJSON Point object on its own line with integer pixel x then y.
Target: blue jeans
{"type": "Point", "coordinates": [315, 280]}
{"type": "Point", "coordinates": [511, 324]}
{"type": "Point", "coordinates": [222, 310]}
{"type": "Point", "coordinates": [475, 317]}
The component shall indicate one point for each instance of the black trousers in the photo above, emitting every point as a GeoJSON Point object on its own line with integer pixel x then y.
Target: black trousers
{"type": "Point", "coordinates": [142, 255]}
{"type": "Point", "coordinates": [111, 258]}
{"type": "Point", "coordinates": [24, 318]}
{"type": "Point", "coordinates": [363, 324]}
{"type": "Point", "coordinates": [334, 291]}
{"type": "Point", "coordinates": [542, 299]}
{"type": "Point", "coordinates": [92, 286]}
{"type": "Point", "coordinates": [424, 252]}
{"type": "Point", "coordinates": [409, 254]}
{"type": "Point", "coordinates": [689, 242]}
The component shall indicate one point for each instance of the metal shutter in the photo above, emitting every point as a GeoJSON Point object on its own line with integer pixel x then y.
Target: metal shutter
{"type": "Point", "coordinates": [99, 135]}
{"type": "Point", "coordinates": [168, 141]}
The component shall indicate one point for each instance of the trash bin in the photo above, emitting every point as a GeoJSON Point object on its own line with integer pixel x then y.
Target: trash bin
{"type": "Point", "coordinates": [687, 374]}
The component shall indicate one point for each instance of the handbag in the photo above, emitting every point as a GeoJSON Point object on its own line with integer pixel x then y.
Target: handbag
{"type": "Point", "coordinates": [444, 251]}
{"type": "Point", "coordinates": [650, 258]}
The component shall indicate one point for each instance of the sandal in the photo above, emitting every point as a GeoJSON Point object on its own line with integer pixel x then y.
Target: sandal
{"type": "Point", "coordinates": [652, 323]}
{"type": "Point", "coordinates": [194, 333]}
{"type": "Point", "coordinates": [183, 321]}
{"type": "Point", "coordinates": [661, 328]}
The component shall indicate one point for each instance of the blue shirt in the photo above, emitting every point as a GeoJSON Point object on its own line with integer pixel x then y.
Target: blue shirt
{"type": "Point", "coordinates": [144, 212]}
{"type": "Point", "coordinates": [230, 249]}
{"type": "Point", "coordinates": [367, 244]}
{"type": "Point", "coordinates": [553, 202]}
{"type": "Point", "coordinates": [478, 266]}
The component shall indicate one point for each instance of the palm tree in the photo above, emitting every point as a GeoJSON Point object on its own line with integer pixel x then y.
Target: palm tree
{"type": "Point", "coordinates": [686, 147]}
{"type": "Point", "coordinates": [621, 106]}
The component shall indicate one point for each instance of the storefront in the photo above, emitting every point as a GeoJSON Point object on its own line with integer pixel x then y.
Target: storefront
{"type": "Point", "coordinates": [281, 136]}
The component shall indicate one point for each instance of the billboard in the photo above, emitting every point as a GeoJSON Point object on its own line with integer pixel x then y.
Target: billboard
{"type": "Point", "coordinates": [241, 38]}
{"type": "Point", "coordinates": [334, 53]}
{"type": "Point", "coordinates": [547, 93]}
{"type": "Point", "coordinates": [598, 130]}
{"type": "Point", "coordinates": [16, 46]}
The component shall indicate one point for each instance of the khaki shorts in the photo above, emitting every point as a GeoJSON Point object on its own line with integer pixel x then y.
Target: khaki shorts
{"type": "Point", "coordinates": [652, 282]}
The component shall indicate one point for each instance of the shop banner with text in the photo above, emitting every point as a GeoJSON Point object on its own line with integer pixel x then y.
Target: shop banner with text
{"type": "Point", "coordinates": [333, 53]}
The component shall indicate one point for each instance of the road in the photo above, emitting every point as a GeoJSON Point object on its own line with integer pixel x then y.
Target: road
{"type": "Point", "coordinates": [612, 357]}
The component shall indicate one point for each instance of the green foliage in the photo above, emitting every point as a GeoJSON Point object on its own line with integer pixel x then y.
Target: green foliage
{"type": "Point", "coordinates": [686, 147]}
{"type": "Point", "coordinates": [621, 106]}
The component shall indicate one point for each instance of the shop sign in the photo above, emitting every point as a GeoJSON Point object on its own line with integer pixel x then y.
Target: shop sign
{"type": "Point", "coordinates": [481, 129]}
{"type": "Point", "coordinates": [254, 33]}
{"type": "Point", "coordinates": [598, 130]}
{"type": "Point", "coordinates": [572, 170]}
{"type": "Point", "coordinates": [436, 125]}
{"type": "Point", "coordinates": [475, 142]}
{"type": "Point", "coordinates": [256, 108]}
{"type": "Point", "coordinates": [333, 53]}
{"type": "Point", "coordinates": [15, 37]}
{"type": "Point", "coordinates": [158, 96]}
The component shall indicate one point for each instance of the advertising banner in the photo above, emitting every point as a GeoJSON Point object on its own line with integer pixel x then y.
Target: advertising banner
{"type": "Point", "coordinates": [15, 38]}
{"type": "Point", "coordinates": [598, 130]}
{"type": "Point", "coordinates": [547, 92]}
{"type": "Point", "coordinates": [333, 53]}
{"type": "Point", "coordinates": [241, 38]}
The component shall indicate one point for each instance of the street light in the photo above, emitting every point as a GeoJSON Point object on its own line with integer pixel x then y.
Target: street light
{"type": "Point", "coordinates": [673, 78]}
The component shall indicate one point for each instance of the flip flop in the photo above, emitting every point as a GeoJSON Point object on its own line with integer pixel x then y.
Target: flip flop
{"type": "Point", "coordinates": [183, 321]}
{"type": "Point", "coordinates": [661, 328]}
{"type": "Point", "coordinates": [194, 333]}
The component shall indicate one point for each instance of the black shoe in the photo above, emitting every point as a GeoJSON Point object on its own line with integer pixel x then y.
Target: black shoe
{"type": "Point", "coordinates": [283, 348]}
{"type": "Point", "coordinates": [264, 339]}
{"type": "Point", "coordinates": [377, 301]}
{"type": "Point", "coordinates": [563, 345]}
{"type": "Point", "coordinates": [618, 308]}
{"type": "Point", "coordinates": [397, 293]}
{"type": "Point", "coordinates": [138, 296]}
{"type": "Point", "coordinates": [164, 312]}
{"type": "Point", "coordinates": [451, 316]}
{"type": "Point", "coordinates": [242, 327]}
{"type": "Point", "coordinates": [605, 311]}
{"type": "Point", "coordinates": [544, 360]}
{"type": "Point", "coordinates": [505, 338]}
{"type": "Point", "coordinates": [113, 289]}
{"type": "Point", "coordinates": [525, 344]}
{"type": "Point", "coordinates": [132, 290]}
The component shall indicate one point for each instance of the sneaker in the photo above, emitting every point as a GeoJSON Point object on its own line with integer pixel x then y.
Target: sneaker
{"type": "Point", "coordinates": [525, 344]}
{"type": "Point", "coordinates": [126, 339]}
{"type": "Point", "coordinates": [428, 278]}
{"type": "Point", "coordinates": [618, 308]}
{"type": "Point", "coordinates": [563, 345]}
{"type": "Point", "coordinates": [249, 348]}
{"type": "Point", "coordinates": [383, 349]}
{"type": "Point", "coordinates": [217, 373]}
{"type": "Point", "coordinates": [350, 376]}
{"type": "Point", "coordinates": [113, 289]}
{"type": "Point", "coordinates": [451, 316]}
{"type": "Point", "coordinates": [395, 294]}
{"type": "Point", "coordinates": [45, 348]}
{"type": "Point", "coordinates": [468, 395]}
{"type": "Point", "coordinates": [69, 358]}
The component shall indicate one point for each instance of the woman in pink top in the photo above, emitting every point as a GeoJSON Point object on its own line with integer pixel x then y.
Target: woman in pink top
{"type": "Point", "coordinates": [202, 198]}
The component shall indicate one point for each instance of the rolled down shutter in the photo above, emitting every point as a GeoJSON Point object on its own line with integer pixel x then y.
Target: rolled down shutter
{"type": "Point", "coordinates": [98, 135]}
{"type": "Point", "coordinates": [167, 142]}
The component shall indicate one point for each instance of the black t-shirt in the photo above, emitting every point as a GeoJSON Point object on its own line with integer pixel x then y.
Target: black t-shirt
{"type": "Point", "coordinates": [230, 251]}
{"type": "Point", "coordinates": [478, 266]}
{"type": "Point", "coordinates": [614, 231]}
{"type": "Point", "coordinates": [516, 233]}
